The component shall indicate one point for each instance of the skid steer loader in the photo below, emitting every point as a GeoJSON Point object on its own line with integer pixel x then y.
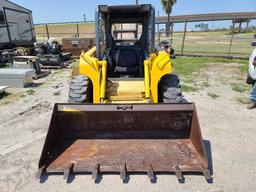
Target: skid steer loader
{"type": "Point", "coordinates": [126, 112]}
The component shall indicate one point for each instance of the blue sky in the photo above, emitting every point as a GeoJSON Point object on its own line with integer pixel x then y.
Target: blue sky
{"type": "Point", "coordinates": [45, 11]}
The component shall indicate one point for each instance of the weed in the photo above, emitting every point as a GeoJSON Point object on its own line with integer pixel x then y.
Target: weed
{"type": "Point", "coordinates": [241, 88]}
{"type": "Point", "coordinates": [31, 92]}
{"type": "Point", "coordinates": [189, 66]}
{"type": "Point", "coordinates": [243, 100]}
{"type": "Point", "coordinates": [185, 67]}
{"type": "Point", "coordinates": [213, 95]}
{"type": "Point", "coordinates": [239, 78]}
{"type": "Point", "coordinates": [7, 97]}
{"type": "Point", "coordinates": [74, 64]}
{"type": "Point", "coordinates": [205, 84]}
{"type": "Point", "coordinates": [6, 102]}
{"type": "Point", "coordinates": [189, 88]}
{"type": "Point", "coordinates": [56, 93]}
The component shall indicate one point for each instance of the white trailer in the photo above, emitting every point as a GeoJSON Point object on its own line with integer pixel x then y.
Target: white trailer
{"type": "Point", "coordinates": [16, 26]}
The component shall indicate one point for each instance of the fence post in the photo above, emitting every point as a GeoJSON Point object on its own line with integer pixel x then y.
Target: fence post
{"type": "Point", "coordinates": [47, 31]}
{"type": "Point", "coordinates": [232, 36]}
{"type": "Point", "coordinates": [121, 30]}
{"type": "Point", "coordinates": [158, 25]}
{"type": "Point", "coordinates": [172, 25]}
{"type": "Point", "coordinates": [184, 36]}
{"type": "Point", "coordinates": [77, 29]}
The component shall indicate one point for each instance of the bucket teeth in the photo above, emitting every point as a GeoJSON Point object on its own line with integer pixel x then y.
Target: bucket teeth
{"type": "Point", "coordinates": [123, 172]}
{"type": "Point", "coordinates": [124, 139]}
{"type": "Point", "coordinates": [207, 174]}
{"type": "Point", "coordinates": [95, 172]}
{"type": "Point", "coordinates": [68, 171]}
{"type": "Point", "coordinates": [40, 172]}
{"type": "Point", "coordinates": [178, 173]}
{"type": "Point", "coordinates": [151, 174]}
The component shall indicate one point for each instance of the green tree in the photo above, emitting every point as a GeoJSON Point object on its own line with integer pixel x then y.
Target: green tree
{"type": "Point", "coordinates": [167, 6]}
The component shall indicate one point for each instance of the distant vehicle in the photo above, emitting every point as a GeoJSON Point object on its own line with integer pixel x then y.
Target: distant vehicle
{"type": "Point", "coordinates": [16, 26]}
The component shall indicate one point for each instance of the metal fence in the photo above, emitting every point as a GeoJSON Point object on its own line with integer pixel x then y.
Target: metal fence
{"type": "Point", "coordinates": [64, 30]}
{"type": "Point", "coordinates": [230, 42]}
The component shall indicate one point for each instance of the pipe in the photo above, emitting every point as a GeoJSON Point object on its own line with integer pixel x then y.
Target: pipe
{"type": "Point", "coordinates": [103, 80]}
{"type": "Point", "coordinates": [147, 80]}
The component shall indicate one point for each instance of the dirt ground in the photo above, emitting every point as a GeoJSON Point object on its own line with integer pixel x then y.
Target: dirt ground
{"type": "Point", "coordinates": [229, 130]}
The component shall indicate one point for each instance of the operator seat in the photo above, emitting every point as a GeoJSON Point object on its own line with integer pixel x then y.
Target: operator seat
{"type": "Point", "coordinates": [127, 61]}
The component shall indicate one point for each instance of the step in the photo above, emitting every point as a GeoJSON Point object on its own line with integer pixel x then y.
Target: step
{"type": "Point", "coordinates": [126, 98]}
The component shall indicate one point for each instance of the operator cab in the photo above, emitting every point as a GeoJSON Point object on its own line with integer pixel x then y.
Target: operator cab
{"type": "Point", "coordinates": [125, 32]}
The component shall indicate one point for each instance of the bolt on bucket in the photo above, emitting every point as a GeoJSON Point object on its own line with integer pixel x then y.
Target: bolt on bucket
{"type": "Point", "coordinates": [124, 139]}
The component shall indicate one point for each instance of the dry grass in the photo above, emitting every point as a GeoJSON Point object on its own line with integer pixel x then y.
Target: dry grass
{"type": "Point", "coordinates": [64, 31]}
{"type": "Point", "coordinates": [214, 42]}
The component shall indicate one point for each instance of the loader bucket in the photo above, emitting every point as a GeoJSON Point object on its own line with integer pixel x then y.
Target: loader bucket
{"type": "Point", "coordinates": [124, 139]}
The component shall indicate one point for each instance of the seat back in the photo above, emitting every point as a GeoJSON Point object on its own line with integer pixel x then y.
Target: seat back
{"type": "Point", "coordinates": [126, 61]}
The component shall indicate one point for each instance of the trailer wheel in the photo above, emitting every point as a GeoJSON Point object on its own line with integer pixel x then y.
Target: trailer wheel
{"type": "Point", "coordinates": [80, 90]}
{"type": "Point", "coordinates": [170, 89]}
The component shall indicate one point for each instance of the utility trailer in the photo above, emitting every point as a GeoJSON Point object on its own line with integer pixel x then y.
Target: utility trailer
{"type": "Point", "coordinates": [16, 26]}
{"type": "Point", "coordinates": [16, 29]}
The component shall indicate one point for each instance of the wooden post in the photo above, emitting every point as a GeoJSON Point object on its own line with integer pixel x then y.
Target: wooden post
{"type": "Point", "coordinates": [158, 25]}
{"type": "Point", "coordinates": [159, 36]}
{"type": "Point", "coordinates": [47, 31]}
{"type": "Point", "coordinates": [247, 24]}
{"type": "Point", "coordinates": [172, 31]}
{"type": "Point", "coordinates": [137, 26]}
{"type": "Point", "coordinates": [232, 36]}
{"type": "Point", "coordinates": [121, 30]}
{"type": "Point", "coordinates": [77, 29]}
{"type": "Point", "coordinates": [184, 36]}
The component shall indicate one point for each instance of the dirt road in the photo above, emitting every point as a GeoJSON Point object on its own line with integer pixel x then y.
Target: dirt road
{"type": "Point", "coordinates": [227, 126]}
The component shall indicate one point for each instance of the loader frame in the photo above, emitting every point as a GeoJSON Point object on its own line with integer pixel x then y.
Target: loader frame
{"type": "Point", "coordinates": [94, 65]}
{"type": "Point", "coordinates": [126, 128]}
{"type": "Point", "coordinates": [155, 67]}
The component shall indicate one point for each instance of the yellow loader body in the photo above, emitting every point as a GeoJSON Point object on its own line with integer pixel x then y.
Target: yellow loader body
{"type": "Point", "coordinates": [126, 112]}
{"type": "Point", "coordinates": [158, 65]}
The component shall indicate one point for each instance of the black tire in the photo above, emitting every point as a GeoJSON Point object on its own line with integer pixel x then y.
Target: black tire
{"type": "Point", "coordinates": [250, 81]}
{"type": "Point", "coordinates": [170, 89]}
{"type": "Point", "coordinates": [80, 90]}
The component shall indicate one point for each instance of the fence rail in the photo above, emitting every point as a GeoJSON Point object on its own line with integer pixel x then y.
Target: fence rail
{"type": "Point", "coordinates": [223, 43]}
{"type": "Point", "coordinates": [64, 30]}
